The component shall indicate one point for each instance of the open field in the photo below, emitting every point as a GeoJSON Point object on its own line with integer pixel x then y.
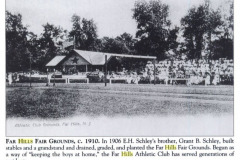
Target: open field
{"type": "Point", "coordinates": [195, 110]}
{"type": "Point", "coordinates": [114, 100]}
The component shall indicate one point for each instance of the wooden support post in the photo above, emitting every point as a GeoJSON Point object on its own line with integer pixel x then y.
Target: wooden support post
{"type": "Point", "coordinates": [54, 78]}
{"type": "Point", "coordinates": [154, 71]}
{"type": "Point", "coordinates": [47, 78]}
{"type": "Point", "coordinates": [105, 70]}
{"type": "Point", "coordinates": [110, 81]}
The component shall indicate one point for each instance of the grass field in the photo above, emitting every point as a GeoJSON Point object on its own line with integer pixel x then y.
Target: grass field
{"type": "Point", "coordinates": [117, 100]}
{"type": "Point", "coordinates": [120, 110]}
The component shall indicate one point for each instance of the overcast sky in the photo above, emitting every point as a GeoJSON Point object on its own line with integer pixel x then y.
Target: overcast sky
{"type": "Point", "coordinates": [113, 17]}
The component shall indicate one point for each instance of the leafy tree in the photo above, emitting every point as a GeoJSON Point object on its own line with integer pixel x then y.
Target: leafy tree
{"type": "Point", "coordinates": [214, 24]}
{"type": "Point", "coordinates": [48, 44]}
{"type": "Point", "coordinates": [222, 48]}
{"type": "Point", "coordinates": [172, 39]}
{"type": "Point", "coordinates": [128, 42]}
{"type": "Point", "coordinates": [33, 50]}
{"type": "Point", "coordinates": [228, 25]}
{"type": "Point", "coordinates": [153, 26]}
{"type": "Point", "coordinates": [85, 33]}
{"type": "Point", "coordinates": [199, 26]}
{"type": "Point", "coordinates": [16, 45]}
{"type": "Point", "coordinates": [121, 44]}
{"type": "Point", "coordinates": [231, 19]}
{"type": "Point", "coordinates": [111, 45]}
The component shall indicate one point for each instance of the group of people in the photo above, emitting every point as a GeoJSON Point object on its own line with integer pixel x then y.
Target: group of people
{"type": "Point", "coordinates": [196, 71]}
{"type": "Point", "coordinates": [129, 78]}
{"type": "Point", "coordinates": [193, 71]}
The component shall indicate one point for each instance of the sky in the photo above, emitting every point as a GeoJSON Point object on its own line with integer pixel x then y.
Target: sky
{"type": "Point", "coordinates": [112, 17]}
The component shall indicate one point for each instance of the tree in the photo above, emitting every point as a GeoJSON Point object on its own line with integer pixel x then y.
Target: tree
{"type": "Point", "coordinates": [48, 44]}
{"type": "Point", "coordinates": [153, 26]}
{"type": "Point", "coordinates": [223, 48]}
{"type": "Point", "coordinates": [33, 50]}
{"type": "Point", "coordinates": [121, 44]}
{"type": "Point", "coordinates": [213, 26]}
{"type": "Point", "coordinates": [199, 26]}
{"type": "Point", "coordinates": [84, 32]}
{"type": "Point", "coordinates": [231, 20]}
{"type": "Point", "coordinates": [172, 39]}
{"type": "Point", "coordinates": [111, 45]}
{"type": "Point", "coordinates": [128, 42]}
{"type": "Point", "coordinates": [16, 44]}
{"type": "Point", "coordinates": [228, 25]}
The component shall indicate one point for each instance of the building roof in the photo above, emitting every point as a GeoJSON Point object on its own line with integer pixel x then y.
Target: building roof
{"type": "Point", "coordinates": [94, 58]}
{"type": "Point", "coordinates": [98, 58]}
{"type": "Point", "coordinates": [55, 61]}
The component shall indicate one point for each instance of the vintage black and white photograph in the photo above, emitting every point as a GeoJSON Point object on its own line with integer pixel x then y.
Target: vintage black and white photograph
{"type": "Point", "coordinates": [119, 68]}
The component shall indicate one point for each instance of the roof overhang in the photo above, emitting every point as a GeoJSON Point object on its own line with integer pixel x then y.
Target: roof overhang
{"type": "Point", "coordinates": [98, 58]}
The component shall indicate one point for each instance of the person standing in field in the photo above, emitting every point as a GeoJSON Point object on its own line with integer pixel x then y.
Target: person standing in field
{"type": "Point", "coordinates": [207, 79]}
{"type": "Point", "coordinates": [10, 78]}
{"type": "Point", "coordinates": [216, 79]}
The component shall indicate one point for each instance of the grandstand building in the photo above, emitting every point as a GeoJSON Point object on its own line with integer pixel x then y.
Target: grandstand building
{"type": "Point", "coordinates": [88, 61]}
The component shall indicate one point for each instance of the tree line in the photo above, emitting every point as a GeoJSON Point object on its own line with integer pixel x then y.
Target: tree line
{"type": "Point", "coordinates": [203, 33]}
